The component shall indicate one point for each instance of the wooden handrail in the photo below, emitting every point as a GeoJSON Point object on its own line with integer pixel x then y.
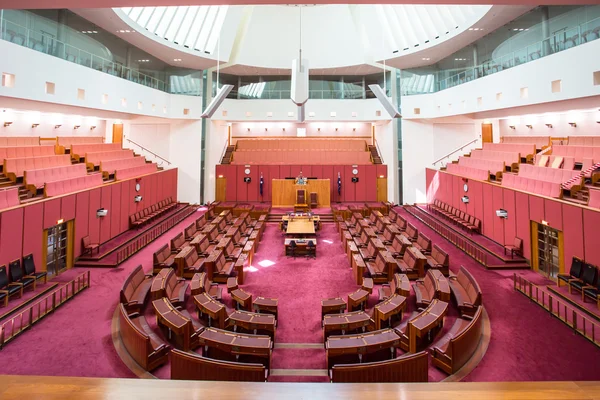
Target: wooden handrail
{"type": "Point", "coordinates": [459, 149]}
{"type": "Point", "coordinates": [379, 151]}
{"type": "Point", "coordinates": [149, 151]}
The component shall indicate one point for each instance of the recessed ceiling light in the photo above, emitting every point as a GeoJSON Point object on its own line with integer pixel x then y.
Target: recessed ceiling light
{"type": "Point", "coordinates": [426, 58]}
{"type": "Point", "coordinates": [177, 59]}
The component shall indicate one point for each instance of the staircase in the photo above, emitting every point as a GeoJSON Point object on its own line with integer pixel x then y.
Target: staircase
{"type": "Point", "coordinates": [375, 154]}
{"type": "Point", "coordinates": [24, 194]}
{"type": "Point", "coordinates": [227, 156]}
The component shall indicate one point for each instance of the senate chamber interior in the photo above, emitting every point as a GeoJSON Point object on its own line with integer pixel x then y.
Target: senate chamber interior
{"type": "Point", "coordinates": [274, 200]}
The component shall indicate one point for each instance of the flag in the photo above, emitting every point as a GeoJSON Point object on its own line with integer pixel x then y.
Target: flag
{"type": "Point", "coordinates": [339, 185]}
{"type": "Point", "coordinates": [261, 185]}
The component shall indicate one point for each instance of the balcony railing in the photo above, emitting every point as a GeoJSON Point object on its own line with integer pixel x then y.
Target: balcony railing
{"type": "Point", "coordinates": [48, 44]}
{"type": "Point", "coordinates": [556, 43]}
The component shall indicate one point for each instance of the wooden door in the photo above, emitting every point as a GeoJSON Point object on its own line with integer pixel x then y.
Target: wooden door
{"type": "Point", "coordinates": [220, 189]}
{"type": "Point", "coordinates": [117, 134]}
{"type": "Point", "coordinates": [382, 189]}
{"type": "Point", "coordinates": [487, 133]}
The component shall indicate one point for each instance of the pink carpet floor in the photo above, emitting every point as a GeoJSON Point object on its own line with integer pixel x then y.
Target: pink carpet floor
{"type": "Point", "coordinates": [527, 343]}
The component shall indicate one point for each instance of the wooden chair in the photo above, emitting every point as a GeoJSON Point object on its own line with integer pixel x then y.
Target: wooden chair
{"type": "Point", "coordinates": [88, 246]}
{"type": "Point", "coordinates": [516, 248]}
{"type": "Point", "coordinates": [313, 200]}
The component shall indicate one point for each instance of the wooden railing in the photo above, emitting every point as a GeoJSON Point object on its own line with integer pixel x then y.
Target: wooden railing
{"type": "Point", "coordinates": [132, 247]}
{"type": "Point", "coordinates": [466, 245]}
{"type": "Point", "coordinates": [559, 308]}
{"type": "Point", "coordinates": [447, 156]}
{"type": "Point", "coordinates": [156, 156]}
{"type": "Point", "coordinates": [22, 321]}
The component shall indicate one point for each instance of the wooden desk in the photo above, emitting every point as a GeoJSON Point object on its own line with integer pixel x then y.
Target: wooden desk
{"type": "Point", "coordinates": [265, 305]}
{"type": "Point", "coordinates": [242, 298]}
{"type": "Point", "coordinates": [178, 327]}
{"type": "Point", "coordinates": [358, 268]}
{"type": "Point", "coordinates": [254, 322]}
{"type": "Point", "coordinates": [332, 306]}
{"type": "Point", "coordinates": [361, 345]}
{"type": "Point", "coordinates": [237, 344]}
{"type": "Point", "coordinates": [358, 299]}
{"type": "Point", "coordinates": [443, 288]}
{"type": "Point", "coordinates": [345, 323]}
{"type": "Point", "coordinates": [248, 250]}
{"type": "Point", "coordinates": [426, 324]}
{"type": "Point", "coordinates": [402, 284]}
{"type": "Point", "coordinates": [300, 227]}
{"type": "Point", "coordinates": [239, 267]}
{"type": "Point", "coordinates": [283, 191]}
{"type": "Point", "coordinates": [351, 251]}
{"type": "Point", "coordinates": [384, 311]}
{"type": "Point", "coordinates": [213, 309]}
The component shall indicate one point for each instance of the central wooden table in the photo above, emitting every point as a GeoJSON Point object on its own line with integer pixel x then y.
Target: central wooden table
{"type": "Point", "coordinates": [300, 227]}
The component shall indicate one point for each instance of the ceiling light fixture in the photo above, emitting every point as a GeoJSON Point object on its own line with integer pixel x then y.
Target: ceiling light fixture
{"type": "Point", "coordinates": [177, 59]}
{"type": "Point", "coordinates": [426, 58]}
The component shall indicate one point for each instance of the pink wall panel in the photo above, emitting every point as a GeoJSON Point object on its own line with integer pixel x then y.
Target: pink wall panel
{"type": "Point", "coordinates": [536, 208]}
{"type": "Point", "coordinates": [67, 207]}
{"type": "Point", "coordinates": [94, 222]}
{"type": "Point", "coordinates": [307, 171]}
{"type": "Point", "coordinates": [11, 236]}
{"type": "Point", "coordinates": [360, 187]}
{"type": "Point", "coordinates": [572, 232]}
{"type": "Point", "coordinates": [553, 214]}
{"type": "Point", "coordinates": [510, 224]}
{"type": "Point", "coordinates": [51, 212]}
{"type": "Point", "coordinates": [81, 219]}
{"type": "Point", "coordinates": [253, 185]}
{"type": "Point", "coordinates": [370, 176]}
{"type": "Point", "coordinates": [106, 202]}
{"type": "Point", "coordinates": [317, 171]}
{"type": "Point", "coordinates": [152, 195]}
{"type": "Point", "coordinates": [475, 194]}
{"type": "Point", "coordinates": [159, 188]}
{"type": "Point", "coordinates": [125, 205]}
{"type": "Point", "coordinates": [115, 211]}
{"type": "Point", "coordinates": [284, 172]}
{"type": "Point", "coordinates": [173, 193]}
{"type": "Point", "coordinates": [328, 174]}
{"type": "Point", "coordinates": [458, 193]}
{"type": "Point", "coordinates": [523, 223]}
{"type": "Point", "coordinates": [295, 170]}
{"type": "Point", "coordinates": [349, 192]}
{"type": "Point", "coordinates": [498, 203]}
{"type": "Point", "coordinates": [488, 212]}
{"type": "Point", "coordinates": [33, 232]}
{"type": "Point", "coordinates": [591, 222]}
{"type": "Point", "coordinates": [382, 171]}
{"type": "Point", "coordinates": [241, 186]}
{"type": "Point", "coordinates": [231, 191]}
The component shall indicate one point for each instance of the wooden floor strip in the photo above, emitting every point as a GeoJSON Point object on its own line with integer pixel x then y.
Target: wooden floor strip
{"type": "Point", "coordinates": [299, 346]}
{"type": "Point", "coordinates": [299, 372]}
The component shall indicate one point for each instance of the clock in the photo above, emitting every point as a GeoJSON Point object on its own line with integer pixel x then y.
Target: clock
{"type": "Point", "coordinates": [247, 171]}
{"type": "Point", "coordinates": [466, 187]}
{"type": "Point", "coordinates": [354, 171]}
{"type": "Point", "coordinates": [137, 187]}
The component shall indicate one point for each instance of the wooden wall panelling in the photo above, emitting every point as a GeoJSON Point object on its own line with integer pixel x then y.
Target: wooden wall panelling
{"type": "Point", "coordinates": [51, 212]}
{"type": "Point", "coordinates": [94, 222]}
{"type": "Point", "coordinates": [32, 232]}
{"type": "Point", "coordinates": [252, 187]}
{"type": "Point", "coordinates": [488, 212]}
{"type": "Point", "coordinates": [11, 236]}
{"type": "Point", "coordinates": [498, 203]}
{"type": "Point", "coordinates": [106, 202]}
{"type": "Point", "coordinates": [510, 224]}
{"type": "Point", "coordinates": [115, 211]}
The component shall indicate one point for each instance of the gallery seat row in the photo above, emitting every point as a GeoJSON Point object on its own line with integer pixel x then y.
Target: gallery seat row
{"type": "Point", "coordinates": [19, 275]}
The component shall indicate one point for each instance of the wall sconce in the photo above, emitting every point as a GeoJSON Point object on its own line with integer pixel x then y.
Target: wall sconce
{"type": "Point", "coordinates": [319, 129]}
{"type": "Point", "coordinates": [512, 127]}
{"type": "Point", "coordinates": [248, 129]}
{"type": "Point", "coordinates": [529, 126]}
{"type": "Point", "coordinates": [35, 125]}
{"type": "Point", "coordinates": [549, 125]}
{"type": "Point", "coordinates": [266, 129]}
{"type": "Point", "coordinates": [573, 124]}
{"type": "Point", "coordinates": [57, 126]}
{"type": "Point", "coordinates": [77, 127]}
{"type": "Point", "coordinates": [284, 129]}
{"type": "Point", "coordinates": [92, 127]}
{"type": "Point", "coordinates": [7, 124]}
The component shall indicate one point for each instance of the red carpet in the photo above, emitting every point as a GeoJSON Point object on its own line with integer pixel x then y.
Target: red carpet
{"type": "Point", "coordinates": [527, 343]}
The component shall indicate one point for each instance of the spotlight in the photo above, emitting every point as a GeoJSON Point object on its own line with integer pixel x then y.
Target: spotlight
{"type": "Point", "coordinates": [573, 124]}
{"type": "Point", "coordinates": [57, 126]}
{"type": "Point", "coordinates": [549, 125]}
{"type": "Point", "coordinates": [512, 127]}
{"type": "Point", "coordinates": [35, 125]}
{"type": "Point", "coordinates": [529, 126]}
{"type": "Point", "coordinates": [77, 127]}
{"type": "Point", "coordinates": [92, 127]}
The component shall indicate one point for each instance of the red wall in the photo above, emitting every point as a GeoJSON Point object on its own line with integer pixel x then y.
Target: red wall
{"type": "Point", "coordinates": [21, 229]}
{"type": "Point", "coordinates": [580, 225]}
{"type": "Point", "coordinates": [363, 190]}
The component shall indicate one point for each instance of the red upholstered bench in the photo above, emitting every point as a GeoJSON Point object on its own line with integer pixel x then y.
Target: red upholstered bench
{"type": "Point", "coordinates": [466, 292]}
{"type": "Point", "coordinates": [135, 289]}
{"type": "Point", "coordinates": [56, 188]}
{"type": "Point", "coordinates": [9, 198]}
